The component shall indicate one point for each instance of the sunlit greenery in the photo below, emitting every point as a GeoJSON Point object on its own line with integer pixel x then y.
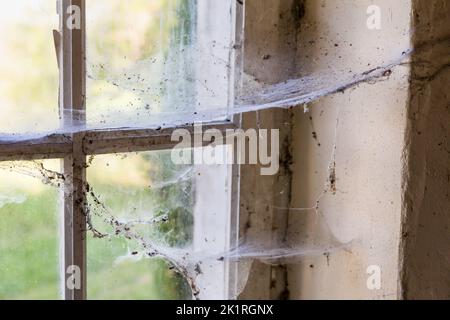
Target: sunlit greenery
{"type": "Point", "coordinates": [138, 62]}
{"type": "Point", "coordinates": [139, 197]}
{"type": "Point", "coordinates": [28, 67]}
{"type": "Point", "coordinates": [28, 237]}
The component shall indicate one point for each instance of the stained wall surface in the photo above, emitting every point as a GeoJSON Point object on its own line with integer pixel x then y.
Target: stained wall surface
{"type": "Point", "coordinates": [348, 152]}
{"type": "Point", "coordinates": [368, 168]}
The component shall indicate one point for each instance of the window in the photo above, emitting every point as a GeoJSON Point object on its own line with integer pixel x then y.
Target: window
{"type": "Point", "coordinates": [130, 73]}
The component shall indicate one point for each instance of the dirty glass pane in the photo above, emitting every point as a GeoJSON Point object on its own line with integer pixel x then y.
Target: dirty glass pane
{"type": "Point", "coordinates": [28, 66]}
{"type": "Point", "coordinates": [132, 187]}
{"type": "Point", "coordinates": [144, 206]}
{"type": "Point", "coordinates": [29, 232]}
{"type": "Point", "coordinates": [158, 62]}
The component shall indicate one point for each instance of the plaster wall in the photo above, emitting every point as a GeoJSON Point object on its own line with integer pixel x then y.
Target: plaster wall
{"type": "Point", "coordinates": [347, 152]}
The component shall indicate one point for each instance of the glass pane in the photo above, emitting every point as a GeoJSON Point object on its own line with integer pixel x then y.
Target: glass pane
{"type": "Point", "coordinates": [28, 66]}
{"type": "Point", "coordinates": [148, 219]}
{"type": "Point", "coordinates": [28, 231]}
{"type": "Point", "coordinates": [158, 62]}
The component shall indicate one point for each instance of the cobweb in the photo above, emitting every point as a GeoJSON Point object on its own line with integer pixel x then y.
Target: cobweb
{"type": "Point", "coordinates": [191, 263]}
{"type": "Point", "coordinates": [140, 101]}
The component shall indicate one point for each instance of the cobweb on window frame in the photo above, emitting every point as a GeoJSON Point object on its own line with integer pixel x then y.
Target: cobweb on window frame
{"type": "Point", "coordinates": [189, 262]}
{"type": "Point", "coordinates": [293, 93]}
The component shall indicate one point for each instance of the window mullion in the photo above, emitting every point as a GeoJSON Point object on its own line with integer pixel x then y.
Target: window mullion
{"type": "Point", "coordinates": [72, 110]}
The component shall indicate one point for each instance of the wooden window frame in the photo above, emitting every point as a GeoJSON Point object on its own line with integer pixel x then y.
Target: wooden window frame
{"type": "Point", "coordinates": [74, 148]}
